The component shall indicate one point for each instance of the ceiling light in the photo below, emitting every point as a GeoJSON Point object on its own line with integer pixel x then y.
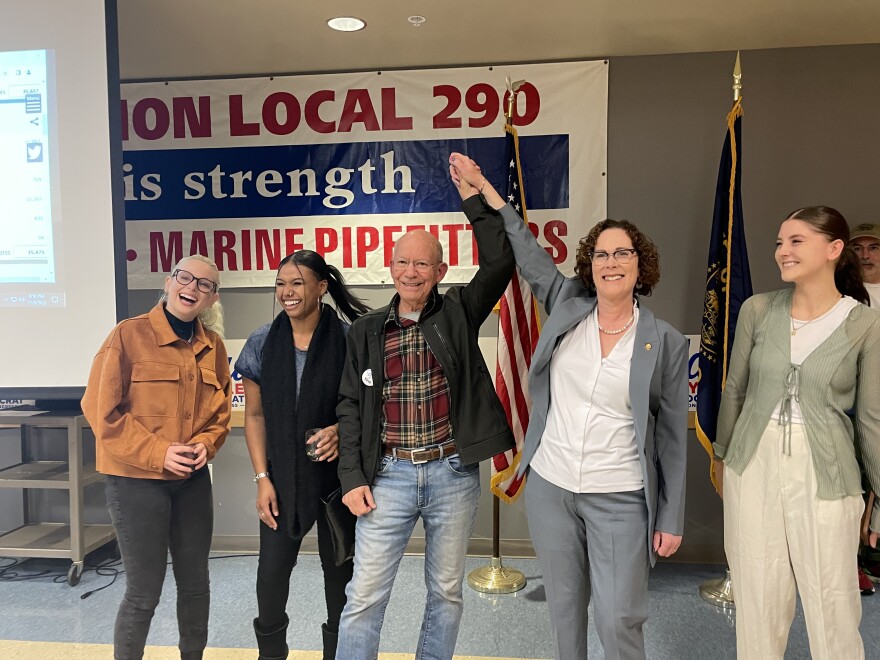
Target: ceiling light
{"type": "Point", "coordinates": [346, 24]}
{"type": "Point", "coordinates": [417, 20]}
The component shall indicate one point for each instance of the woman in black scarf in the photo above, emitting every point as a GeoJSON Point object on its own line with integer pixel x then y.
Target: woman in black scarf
{"type": "Point", "coordinates": [291, 370]}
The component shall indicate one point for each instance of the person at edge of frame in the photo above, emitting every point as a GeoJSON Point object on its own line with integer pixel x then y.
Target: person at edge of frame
{"type": "Point", "coordinates": [159, 401]}
{"type": "Point", "coordinates": [792, 489]}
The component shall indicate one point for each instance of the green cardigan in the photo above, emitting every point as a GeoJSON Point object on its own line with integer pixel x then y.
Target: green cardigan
{"type": "Point", "coordinates": [831, 383]}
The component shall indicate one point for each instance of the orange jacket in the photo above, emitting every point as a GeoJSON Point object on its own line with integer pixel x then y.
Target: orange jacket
{"type": "Point", "coordinates": [149, 389]}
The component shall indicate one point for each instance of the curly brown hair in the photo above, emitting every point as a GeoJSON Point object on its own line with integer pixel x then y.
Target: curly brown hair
{"type": "Point", "coordinates": [649, 258]}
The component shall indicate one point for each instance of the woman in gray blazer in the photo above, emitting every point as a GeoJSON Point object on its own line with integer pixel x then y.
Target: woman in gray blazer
{"type": "Point", "coordinates": [606, 443]}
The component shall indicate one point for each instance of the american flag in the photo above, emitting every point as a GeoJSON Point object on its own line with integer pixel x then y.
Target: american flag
{"type": "Point", "coordinates": [518, 328]}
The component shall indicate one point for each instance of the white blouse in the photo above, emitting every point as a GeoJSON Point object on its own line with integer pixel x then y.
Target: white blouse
{"type": "Point", "coordinates": [589, 443]}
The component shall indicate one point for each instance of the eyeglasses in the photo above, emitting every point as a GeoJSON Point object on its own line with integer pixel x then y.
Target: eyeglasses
{"type": "Point", "coordinates": [204, 285]}
{"type": "Point", "coordinates": [622, 256]}
{"type": "Point", "coordinates": [403, 264]}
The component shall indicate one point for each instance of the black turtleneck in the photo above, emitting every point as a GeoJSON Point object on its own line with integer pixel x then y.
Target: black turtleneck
{"type": "Point", "coordinates": [183, 329]}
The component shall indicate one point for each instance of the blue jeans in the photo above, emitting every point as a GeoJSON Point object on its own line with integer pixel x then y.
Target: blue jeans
{"type": "Point", "coordinates": [153, 517]}
{"type": "Point", "coordinates": [445, 494]}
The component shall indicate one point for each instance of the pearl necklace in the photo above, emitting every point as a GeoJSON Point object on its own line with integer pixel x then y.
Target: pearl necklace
{"type": "Point", "coordinates": [619, 330]}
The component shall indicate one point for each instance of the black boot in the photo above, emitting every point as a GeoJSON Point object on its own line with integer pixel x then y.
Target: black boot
{"type": "Point", "coordinates": [330, 639]}
{"type": "Point", "coordinates": [272, 643]}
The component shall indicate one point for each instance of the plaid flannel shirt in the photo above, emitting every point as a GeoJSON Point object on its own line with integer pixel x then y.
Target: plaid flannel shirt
{"type": "Point", "coordinates": [415, 393]}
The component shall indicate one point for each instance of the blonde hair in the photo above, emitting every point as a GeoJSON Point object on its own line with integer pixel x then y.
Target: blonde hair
{"type": "Point", "coordinates": [212, 317]}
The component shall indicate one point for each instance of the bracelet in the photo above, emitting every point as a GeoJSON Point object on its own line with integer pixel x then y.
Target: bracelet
{"type": "Point", "coordinates": [259, 476]}
{"type": "Point", "coordinates": [482, 185]}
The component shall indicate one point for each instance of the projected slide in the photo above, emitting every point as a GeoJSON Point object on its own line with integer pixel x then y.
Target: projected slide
{"type": "Point", "coordinates": [28, 172]}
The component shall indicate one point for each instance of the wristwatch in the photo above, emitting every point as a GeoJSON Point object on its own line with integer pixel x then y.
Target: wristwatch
{"type": "Point", "coordinates": [259, 476]}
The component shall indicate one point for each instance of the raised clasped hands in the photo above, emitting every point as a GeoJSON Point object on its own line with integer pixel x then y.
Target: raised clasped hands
{"type": "Point", "coordinates": [468, 179]}
{"type": "Point", "coordinates": [466, 175]}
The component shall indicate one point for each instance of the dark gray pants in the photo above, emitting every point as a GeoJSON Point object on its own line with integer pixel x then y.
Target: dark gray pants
{"type": "Point", "coordinates": [592, 544]}
{"type": "Point", "coordinates": [153, 517]}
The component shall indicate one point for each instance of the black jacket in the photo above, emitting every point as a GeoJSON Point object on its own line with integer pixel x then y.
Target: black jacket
{"type": "Point", "coordinates": [451, 325]}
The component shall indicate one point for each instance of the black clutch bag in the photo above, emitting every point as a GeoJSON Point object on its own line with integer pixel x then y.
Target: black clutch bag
{"type": "Point", "coordinates": [341, 522]}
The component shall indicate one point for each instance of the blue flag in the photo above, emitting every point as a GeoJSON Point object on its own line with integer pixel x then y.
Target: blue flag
{"type": "Point", "coordinates": [728, 282]}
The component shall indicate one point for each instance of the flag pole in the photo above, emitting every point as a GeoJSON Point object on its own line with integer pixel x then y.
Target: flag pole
{"type": "Point", "coordinates": [495, 578]}
{"type": "Point", "coordinates": [719, 592]}
{"type": "Point", "coordinates": [737, 80]}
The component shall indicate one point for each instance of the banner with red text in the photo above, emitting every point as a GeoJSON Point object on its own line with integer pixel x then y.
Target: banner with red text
{"type": "Point", "coordinates": [247, 170]}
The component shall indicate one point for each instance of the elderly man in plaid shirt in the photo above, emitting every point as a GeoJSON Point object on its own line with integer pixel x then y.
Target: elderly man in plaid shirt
{"type": "Point", "coordinates": [417, 412]}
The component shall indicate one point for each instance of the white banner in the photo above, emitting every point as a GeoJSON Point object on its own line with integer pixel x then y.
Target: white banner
{"type": "Point", "coordinates": [248, 170]}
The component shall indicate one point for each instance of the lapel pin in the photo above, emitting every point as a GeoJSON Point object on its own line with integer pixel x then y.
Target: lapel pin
{"type": "Point", "coordinates": [648, 346]}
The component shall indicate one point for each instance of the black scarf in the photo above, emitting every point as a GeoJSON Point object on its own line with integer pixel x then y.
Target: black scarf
{"type": "Point", "coordinates": [300, 483]}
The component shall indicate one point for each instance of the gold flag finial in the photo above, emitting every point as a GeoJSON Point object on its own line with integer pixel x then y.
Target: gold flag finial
{"type": "Point", "coordinates": [512, 89]}
{"type": "Point", "coordinates": [737, 79]}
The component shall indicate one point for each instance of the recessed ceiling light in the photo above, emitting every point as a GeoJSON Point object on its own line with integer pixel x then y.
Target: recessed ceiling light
{"type": "Point", "coordinates": [417, 20]}
{"type": "Point", "coordinates": [346, 24]}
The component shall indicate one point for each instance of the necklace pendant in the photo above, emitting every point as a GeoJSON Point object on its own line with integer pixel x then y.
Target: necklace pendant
{"type": "Point", "coordinates": [793, 332]}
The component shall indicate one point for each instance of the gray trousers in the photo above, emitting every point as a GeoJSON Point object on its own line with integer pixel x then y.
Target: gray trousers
{"type": "Point", "coordinates": [151, 518]}
{"type": "Point", "coordinates": [592, 545]}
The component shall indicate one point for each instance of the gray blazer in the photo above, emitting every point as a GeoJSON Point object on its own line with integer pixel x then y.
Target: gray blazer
{"type": "Point", "coordinates": [657, 387]}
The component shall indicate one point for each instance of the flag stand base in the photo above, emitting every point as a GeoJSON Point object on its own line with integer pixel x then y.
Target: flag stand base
{"type": "Point", "coordinates": [495, 579]}
{"type": "Point", "coordinates": [719, 592]}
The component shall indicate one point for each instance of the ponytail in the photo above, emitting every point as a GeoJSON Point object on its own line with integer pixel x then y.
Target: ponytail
{"type": "Point", "coordinates": [212, 318]}
{"type": "Point", "coordinates": [848, 276]}
{"type": "Point", "coordinates": [346, 302]}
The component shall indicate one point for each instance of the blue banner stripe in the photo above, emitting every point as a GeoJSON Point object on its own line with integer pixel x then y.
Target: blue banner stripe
{"type": "Point", "coordinates": [331, 179]}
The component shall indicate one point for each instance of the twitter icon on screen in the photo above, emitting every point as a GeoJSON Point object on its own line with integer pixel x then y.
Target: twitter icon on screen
{"type": "Point", "coordinates": [35, 152]}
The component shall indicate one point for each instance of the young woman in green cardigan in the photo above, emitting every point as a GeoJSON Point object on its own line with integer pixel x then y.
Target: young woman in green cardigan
{"type": "Point", "coordinates": [802, 358]}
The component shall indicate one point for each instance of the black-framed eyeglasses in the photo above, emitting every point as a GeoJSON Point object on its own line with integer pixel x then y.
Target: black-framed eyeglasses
{"type": "Point", "coordinates": [621, 256]}
{"type": "Point", "coordinates": [203, 284]}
